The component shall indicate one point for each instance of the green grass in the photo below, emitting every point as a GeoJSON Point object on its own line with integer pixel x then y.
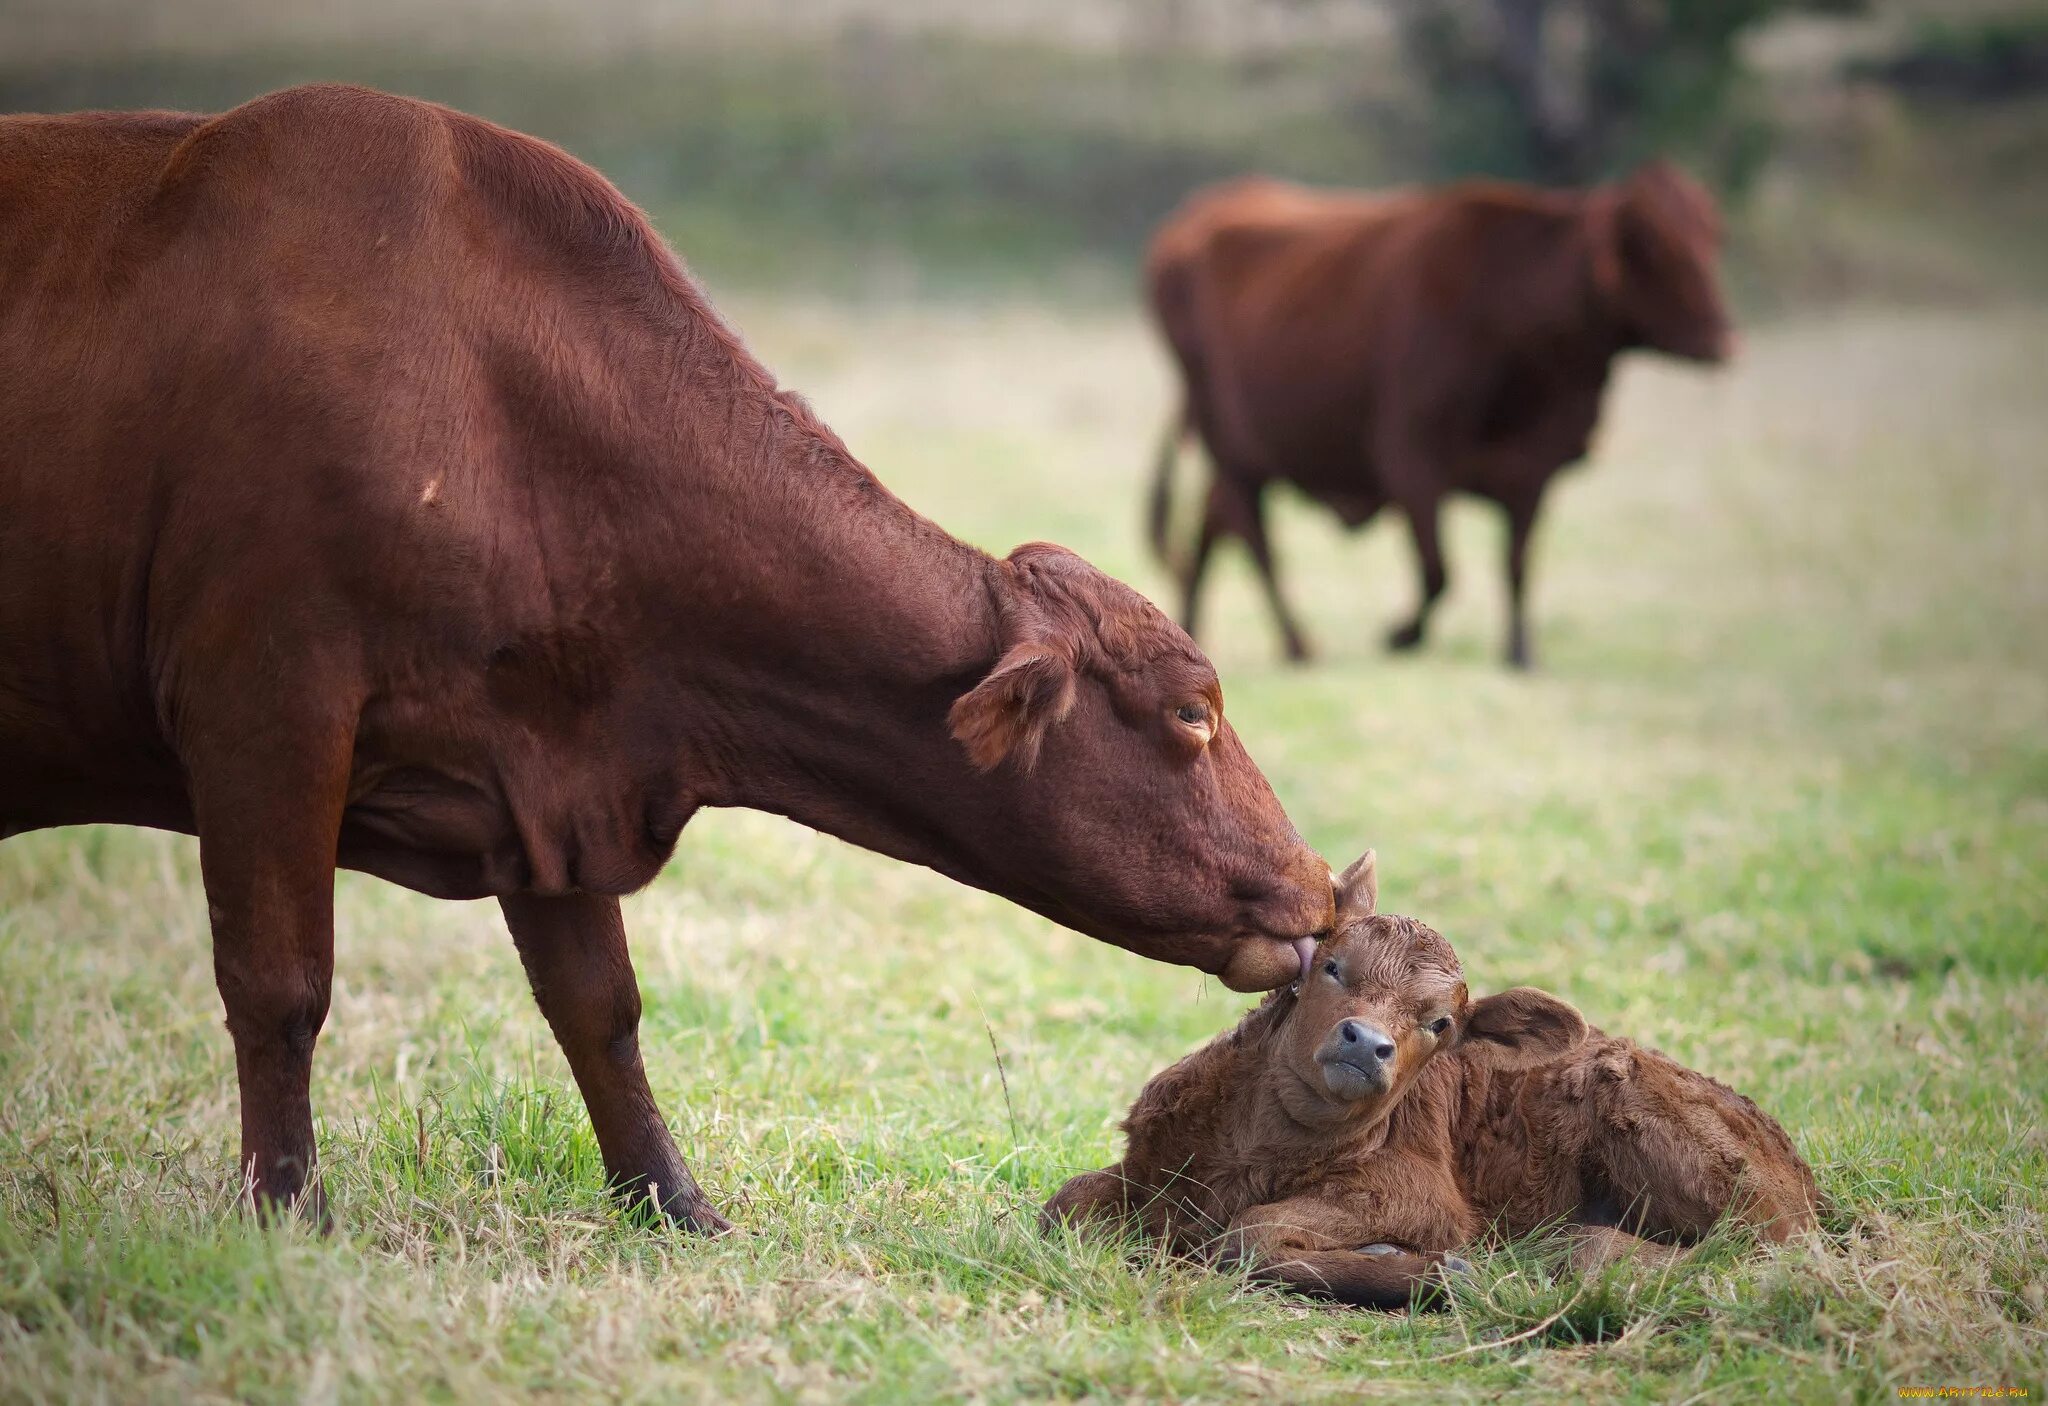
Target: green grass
{"type": "Point", "coordinates": [1777, 803]}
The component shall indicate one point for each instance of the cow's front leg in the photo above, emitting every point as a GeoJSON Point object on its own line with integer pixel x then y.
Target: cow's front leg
{"type": "Point", "coordinates": [267, 800]}
{"type": "Point", "coordinates": [574, 950]}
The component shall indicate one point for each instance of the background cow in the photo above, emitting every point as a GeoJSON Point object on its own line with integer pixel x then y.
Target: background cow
{"type": "Point", "coordinates": [380, 491]}
{"type": "Point", "coordinates": [1397, 348]}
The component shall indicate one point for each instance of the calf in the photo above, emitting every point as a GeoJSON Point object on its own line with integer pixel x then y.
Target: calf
{"type": "Point", "coordinates": [1354, 1131]}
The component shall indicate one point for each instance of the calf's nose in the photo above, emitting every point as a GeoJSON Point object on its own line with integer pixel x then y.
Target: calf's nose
{"type": "Point", "coordinates": [1360, 1038]}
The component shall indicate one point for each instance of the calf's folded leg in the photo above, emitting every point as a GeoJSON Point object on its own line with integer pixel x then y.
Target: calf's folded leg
{"type": "Point", "coordinates": [1385, 1277]}
{"type": "Point", "coordinates": [1677, 1151]}
{"type": "Point", "coordinates": [1100, 1197]}
{"type": "Point", "coordinates": [1311, 1246]}
{"type": "Point", "coordinates": [1594, 1247]}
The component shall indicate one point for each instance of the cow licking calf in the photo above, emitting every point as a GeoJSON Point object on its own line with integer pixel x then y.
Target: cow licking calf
{"type": "Point", "coordinates": [1353, 1132]}
{"type": "Point", "coordinates": [1398, 348]}
{"type": "Point", "coordinates": [377, 491]}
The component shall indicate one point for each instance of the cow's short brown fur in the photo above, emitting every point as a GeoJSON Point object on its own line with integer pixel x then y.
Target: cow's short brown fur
{"type": "Point", "coordinates": [1396, 348]}
{"type": "Point", "coordinates": [1272, 1144]}
{"type": "Point", "coordinates": [377, 490]}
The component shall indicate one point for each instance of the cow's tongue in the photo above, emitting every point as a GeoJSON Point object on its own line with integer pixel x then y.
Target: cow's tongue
{"type": "Point", "coordinates": [1305, 948]}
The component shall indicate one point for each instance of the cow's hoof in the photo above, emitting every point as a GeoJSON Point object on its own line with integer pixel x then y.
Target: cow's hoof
{"type": "Point", "coordinates": [306, 1205]}
{"type": "Point", "coordinates": [690, 1212]}
{"type": "Point", "coordinates": [1377, 1250]}
{"type": "Point", "coordinates": [700, 1219]}
{"type": "Point", "coordinates": [1405, 638]}
{"type": "Point", "coordinates": [1298, 652]}
{"type": "Point", "coordinates": [1457, 1267]}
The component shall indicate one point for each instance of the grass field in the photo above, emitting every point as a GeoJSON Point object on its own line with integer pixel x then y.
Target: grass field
{"type": "Point", "coordinates": [1777, 803]}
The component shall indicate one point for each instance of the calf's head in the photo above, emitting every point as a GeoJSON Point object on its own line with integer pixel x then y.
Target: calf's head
{"type": "Point", "coordinates": [1120, 802]}
{"type": "Point", "coordinates": [1385, 997]}
{"type": "Point", "coordinates": [1656, 245]}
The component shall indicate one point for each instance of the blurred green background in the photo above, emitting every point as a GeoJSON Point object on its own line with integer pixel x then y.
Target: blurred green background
{"type": "Point", "coordinates": [947, 147]}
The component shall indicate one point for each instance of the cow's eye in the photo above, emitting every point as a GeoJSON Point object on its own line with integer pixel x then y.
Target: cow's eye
{"type": "Point", "coordinates": [1440, 1025]}
{"type": "Point", "coordinates": [1193, 714]}
{"type": "Point", "coordinates": [1330, 970]}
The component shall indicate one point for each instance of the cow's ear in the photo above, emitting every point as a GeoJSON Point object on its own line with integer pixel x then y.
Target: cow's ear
{"type": "Point", "coordinates": [1008, 714]}
{"type": "Point", "coordinates": [1519, 1029]}
{"type": "Point", "coordinates": [1358, 889]}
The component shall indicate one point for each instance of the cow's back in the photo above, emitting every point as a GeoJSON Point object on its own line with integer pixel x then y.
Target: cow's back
{"type": "Point", "coordinates": [1308, 323]}
{"type": "Point", "coordinates": [1274, 297]}
{"type": "Point", "coordinates": [280, 371]}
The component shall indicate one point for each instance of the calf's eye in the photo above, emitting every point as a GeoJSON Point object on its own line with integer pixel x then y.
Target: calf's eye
{"type": "Point", "coordinates": [1330, 970]}
{"type": "Point", "coordinates": [1440, 1025]}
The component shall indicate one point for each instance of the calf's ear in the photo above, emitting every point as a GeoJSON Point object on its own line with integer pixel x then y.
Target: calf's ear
{"type": "Point", "coordinates": [1520, 1028]}
{"type": "Point", "coordinates": [1358, 889]}
{"type": "Point", "coordinates": [1007, 715]}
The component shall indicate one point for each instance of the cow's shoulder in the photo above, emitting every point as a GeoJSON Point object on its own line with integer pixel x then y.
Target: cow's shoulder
{"type": "Point", "coordinates": [333, 136]}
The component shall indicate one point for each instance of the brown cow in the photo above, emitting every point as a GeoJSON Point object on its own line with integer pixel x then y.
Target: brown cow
{"type": "Point", "coordinates": [1397, 348]}
{"type": "Point", "coordinates": [379, 491]}
{"type": "Point", "coordinates": [1350, 1134]}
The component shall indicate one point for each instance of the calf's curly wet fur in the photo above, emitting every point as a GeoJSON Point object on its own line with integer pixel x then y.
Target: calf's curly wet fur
{"type": "Point", "coordinates": [1355, 1130]}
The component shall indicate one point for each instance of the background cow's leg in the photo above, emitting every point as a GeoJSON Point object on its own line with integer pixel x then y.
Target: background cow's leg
{"type": "Point", "coordinates": [268, 812]}
{"type": "Point", "coordinates": [1252, 510]}
{"type": "Point", "coordinates": [1198, 565]}
{"type": "Point", "coordinates": [1236, 508]}
{"type": "Point", "coordinates": [574, 950]}
{"type": "Point", "coordinates": [1521, 510]}
{"type": "Point", "coordinates": [1421, 505]}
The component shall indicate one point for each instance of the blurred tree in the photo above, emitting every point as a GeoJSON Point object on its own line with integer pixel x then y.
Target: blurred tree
{"type": "Point", "coordinates": [1566, 91]}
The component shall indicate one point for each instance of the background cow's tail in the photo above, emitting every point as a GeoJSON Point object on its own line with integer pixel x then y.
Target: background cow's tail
{"type": "Point", "coordinates": [1159, 508]}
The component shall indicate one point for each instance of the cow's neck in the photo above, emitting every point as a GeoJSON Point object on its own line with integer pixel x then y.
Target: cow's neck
{"type": "Point", "coordinates": [845, 626]}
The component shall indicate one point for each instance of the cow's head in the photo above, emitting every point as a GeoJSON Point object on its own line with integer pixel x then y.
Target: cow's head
{"type": "Point", "coordinates": [1385, 997]}
{"type": "Point", "coordinates": [1125, 805]}
{"type": "Point", "coordinates": [1656, 246]}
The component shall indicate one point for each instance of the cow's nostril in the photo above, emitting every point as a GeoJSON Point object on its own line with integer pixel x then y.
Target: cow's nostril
{"type": "Point", "coordinates": [1350, 1033]}
{"type": "Point", "coordinates": [1383, 1051]}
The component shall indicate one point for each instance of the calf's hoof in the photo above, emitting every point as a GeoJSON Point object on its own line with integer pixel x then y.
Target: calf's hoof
{"type": "Point", "coordinates": [1403, 638]}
